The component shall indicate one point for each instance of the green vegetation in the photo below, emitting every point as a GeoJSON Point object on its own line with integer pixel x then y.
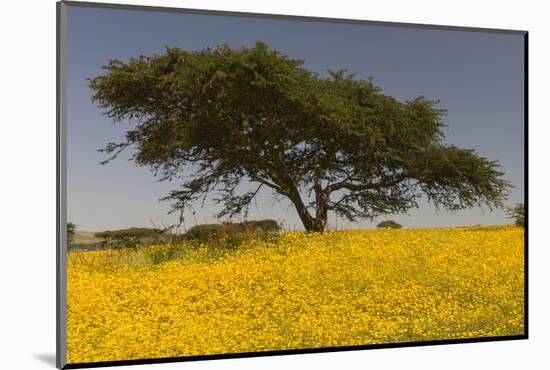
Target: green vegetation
{"type": "Point", "coordinates": [222, 235]}
{"type": "Point", "coordinates": [389, 224]}
{"type": "Point", "coordinates": [518, 214]}
{"type": "Point", "coordinates": [232, 234]}
{"type": "Point", "coordinates": [131, 236]}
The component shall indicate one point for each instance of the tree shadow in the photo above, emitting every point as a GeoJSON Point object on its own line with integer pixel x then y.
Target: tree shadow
{"type": "Point", "coordinates": [47, 358]}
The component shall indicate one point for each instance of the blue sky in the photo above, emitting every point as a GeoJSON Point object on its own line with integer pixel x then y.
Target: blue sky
{"type": "Point", "coordinates": [478, 77]}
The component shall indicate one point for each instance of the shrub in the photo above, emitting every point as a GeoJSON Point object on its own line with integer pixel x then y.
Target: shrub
{"type": "Point", "coordinates": [389, 224]}
{"type": "Point", "coordinates": [207, 232]}
{"type": "Point", "coordinates": [131, 237]}
{"type": "Point", "coordinates": [230, 234]}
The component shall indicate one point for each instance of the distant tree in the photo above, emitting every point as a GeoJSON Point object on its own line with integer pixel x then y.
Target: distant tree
{"type": "Point", "coordinates": [130, 236]}
{"type": "Point", "coordinates": [389, 224]}
{"type": "Point", "coordinates": [327, 144]}
{"type": "Point", "coordinates": [518, 214]}
{"type": "Point", "coordinates": [71, 228]}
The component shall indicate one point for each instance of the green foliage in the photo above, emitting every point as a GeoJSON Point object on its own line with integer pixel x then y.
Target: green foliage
{"type": "Point", "coordinates": [389, 224]}
{"type": "Point", "coordinates": [71, 228]}
{"type": "Point", "coordinates": [518, 214]}
{"type": "Point", "coordinates": [131, 236]}
{"type": "Point", "coordinates": [133, 232]}
{"type": "Point", "coordinates": [327, 144]}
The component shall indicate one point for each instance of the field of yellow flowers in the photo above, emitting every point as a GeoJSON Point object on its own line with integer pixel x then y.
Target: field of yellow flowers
{"type": "Point", "coordinates": [296, 290]}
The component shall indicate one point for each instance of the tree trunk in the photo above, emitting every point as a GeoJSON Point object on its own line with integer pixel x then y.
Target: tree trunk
{"type": "Point", "coordinates": [319, 225]}
{"type": "Point", "coordinates": [321, 207]}
{"type": "Point", "coordinates": [304, 215]}
{"type": "Point", "coordinates": [319, 222]}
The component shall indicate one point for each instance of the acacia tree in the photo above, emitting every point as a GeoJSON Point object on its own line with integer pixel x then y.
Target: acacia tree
{"type": "Point", "coordinates": [215, 118]}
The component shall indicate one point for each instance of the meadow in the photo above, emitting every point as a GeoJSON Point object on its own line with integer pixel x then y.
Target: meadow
{"type": "Point", "coordinates": [295, 290]}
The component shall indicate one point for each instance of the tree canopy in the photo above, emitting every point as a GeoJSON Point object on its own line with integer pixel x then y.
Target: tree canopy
{"type": "Point", "coordinates": [132, 232]}
{"type": "Point", "coordinates": [388, 224]}
{"type": "Point", "coordinates": [214, 118]}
